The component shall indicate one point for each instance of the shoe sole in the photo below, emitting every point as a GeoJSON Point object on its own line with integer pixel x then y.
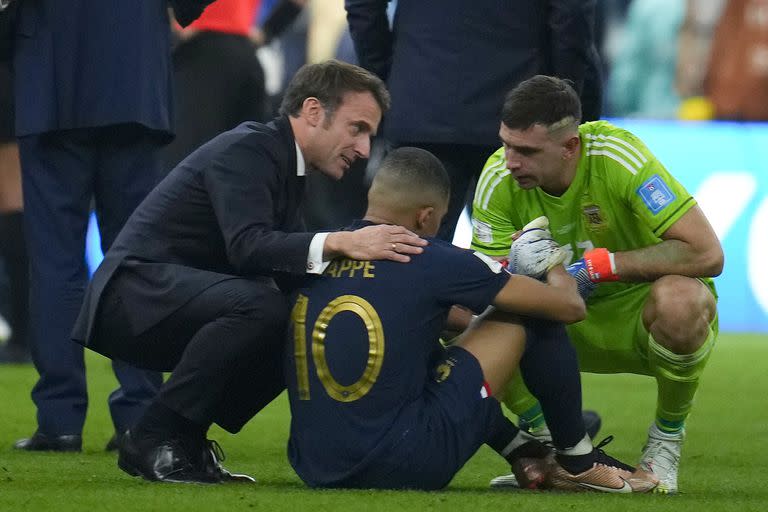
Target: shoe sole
{"type": "Point", "coordinates": [133, 471]}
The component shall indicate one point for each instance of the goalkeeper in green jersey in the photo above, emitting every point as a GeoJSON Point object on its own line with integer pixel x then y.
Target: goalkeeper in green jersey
{"type": "Point", "coordinates": [636, 238]}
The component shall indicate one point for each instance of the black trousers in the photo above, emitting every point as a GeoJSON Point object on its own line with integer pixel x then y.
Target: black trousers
{"type": "Point", "coordinates": [224, 347]}
{"type": "Point", "coordinates": [219, 84]}
{"type": "Point", "coordinates": [62, 170]}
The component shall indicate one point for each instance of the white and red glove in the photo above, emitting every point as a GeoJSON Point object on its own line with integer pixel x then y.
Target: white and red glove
{"type": "Point", "coordinates": [534, 252]}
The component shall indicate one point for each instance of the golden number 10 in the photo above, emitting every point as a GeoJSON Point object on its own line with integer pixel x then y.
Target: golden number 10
{"type": "Point", "coordinates": [372, 321]}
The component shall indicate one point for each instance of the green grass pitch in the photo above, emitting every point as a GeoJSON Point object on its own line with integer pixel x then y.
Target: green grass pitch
{"type": "Point", "coordinates": [724, 466]}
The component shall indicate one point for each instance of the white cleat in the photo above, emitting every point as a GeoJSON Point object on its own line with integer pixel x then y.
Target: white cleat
{"type": "Point", "coordinates": [661, 456]}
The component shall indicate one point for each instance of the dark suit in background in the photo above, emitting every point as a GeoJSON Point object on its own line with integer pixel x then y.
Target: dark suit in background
{"type": "Point", "coordinates": [449, 64]}
{"type": "Point", "coordinates": [93, 100]}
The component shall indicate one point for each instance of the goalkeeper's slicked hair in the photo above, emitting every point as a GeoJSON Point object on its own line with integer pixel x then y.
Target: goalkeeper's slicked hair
{"type": "Point", "coordinates": [410, 178]}
{"type": "Point", "coordinates": [546, 100]}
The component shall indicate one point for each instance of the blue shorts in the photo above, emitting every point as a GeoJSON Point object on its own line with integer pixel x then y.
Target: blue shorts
{"type": "Point", "coordinates": [435, 436]}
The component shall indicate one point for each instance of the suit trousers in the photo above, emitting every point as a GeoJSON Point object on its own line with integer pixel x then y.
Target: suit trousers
{"type": "Point", "coordinates": [61, 172]}
{"type": "Point", "coordinates": [224, 346]}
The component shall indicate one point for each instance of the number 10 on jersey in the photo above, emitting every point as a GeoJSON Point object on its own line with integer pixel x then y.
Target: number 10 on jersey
{"type": "Point", "coordinates": [356, 305]}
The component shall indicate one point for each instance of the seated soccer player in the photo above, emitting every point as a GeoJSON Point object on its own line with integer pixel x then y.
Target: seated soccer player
{"type": "Point", "coordinates": [377, 402]}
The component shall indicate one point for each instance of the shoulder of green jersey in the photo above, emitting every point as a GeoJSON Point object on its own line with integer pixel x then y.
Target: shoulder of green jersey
{"type": "Point", "coordinates": [626, 154]}
{"type": "Point", "coordinates": [489, 180]}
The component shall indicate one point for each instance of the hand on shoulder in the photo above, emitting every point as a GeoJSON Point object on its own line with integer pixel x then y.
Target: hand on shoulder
{"type": "Point", "coordinates": [380, 242]}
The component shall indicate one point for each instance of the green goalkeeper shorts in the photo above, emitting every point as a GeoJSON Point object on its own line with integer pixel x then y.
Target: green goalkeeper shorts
{"type": "Point", "coordinates": [613, 339]}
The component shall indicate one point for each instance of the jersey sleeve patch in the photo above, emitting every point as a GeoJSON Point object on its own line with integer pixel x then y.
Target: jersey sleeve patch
{"type": "Point", "coordinates": [655, 194]}
{"type": "Point", "coordinates": [494, 265]}
{"type": "Point", "coordinates": [482, 231]}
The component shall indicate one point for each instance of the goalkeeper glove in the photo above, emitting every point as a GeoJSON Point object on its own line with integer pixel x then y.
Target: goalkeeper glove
{"type": "Point", "coordinates": [534, 252]}
{"type": "Point", "coordinates": [596, 266]}
{"type": "Point", "coordinates": [580, 273]}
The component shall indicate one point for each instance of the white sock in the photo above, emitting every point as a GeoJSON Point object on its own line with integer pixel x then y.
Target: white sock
{"type": "Point", "coordinates": [583, 447]}
{"type": "Point", "coordinates": [520, 439]}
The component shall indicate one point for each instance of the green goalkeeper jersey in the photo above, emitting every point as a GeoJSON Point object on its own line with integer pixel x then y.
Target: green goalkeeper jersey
{"type": "Point", "coordinates": [621, 198]}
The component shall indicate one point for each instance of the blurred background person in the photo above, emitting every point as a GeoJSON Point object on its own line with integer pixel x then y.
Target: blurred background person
{"type": "Point", "coordinates": [218, 78]}
{"type": "Point", "coordinates": [694, 44]}
{"type": "Point", "coordinates": [642, 80]}
{"type": "Point", "coordinates": [449, 66]}
{"type": "Point", "coordinates": [736, 82]}
{"type": "Point", "coordinates": [13, 252]}
{"type": "Point", "coordinates": [93, 111]}
{"type": "Point", "coordinates": [333, 204]}
{"type": "Point", "coordinates": [281, 32]}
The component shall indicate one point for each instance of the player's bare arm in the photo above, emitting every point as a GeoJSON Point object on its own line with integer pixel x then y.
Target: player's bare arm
{"type": "Point", "coordinates": [690, 248]}
{"type": "Point", "coordinates": [381, 242]}
{"type": "Point", "coordinates": [458, 320]}
{"type": "Point", "coordinates": [556, 299]}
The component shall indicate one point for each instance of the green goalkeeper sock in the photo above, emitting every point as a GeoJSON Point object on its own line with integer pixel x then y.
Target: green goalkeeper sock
{"type": "Point", "coordinates": [677, 376]}
{"type": "Point", "coordinates": [534, 417]}
{"type": "Point", "coordinates": [521, 402]}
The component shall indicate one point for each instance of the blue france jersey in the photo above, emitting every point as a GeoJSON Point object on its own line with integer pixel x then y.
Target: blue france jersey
{"type": "Point", "coordinates": [361, 339]}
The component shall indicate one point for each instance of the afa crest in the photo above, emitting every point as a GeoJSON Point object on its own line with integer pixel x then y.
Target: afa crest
{"type": "Point", "coordinates": [595, 220]}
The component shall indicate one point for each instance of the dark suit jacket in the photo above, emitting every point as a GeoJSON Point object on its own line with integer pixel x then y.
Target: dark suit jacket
{"type": "Point", "coordinates": [229, 209]}
{"type": "Point", "coordinates": [449, 64]}
{"type": "Point", "coordinates": [92, 63]}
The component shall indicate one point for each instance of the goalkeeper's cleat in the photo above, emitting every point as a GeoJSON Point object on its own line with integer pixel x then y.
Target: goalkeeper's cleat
{"type": "Point", "coordinates": [606, 474]}
{"type": "Point", "coordinates": [661, 456]}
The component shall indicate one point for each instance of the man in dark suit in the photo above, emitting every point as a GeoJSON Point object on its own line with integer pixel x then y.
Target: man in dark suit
{"type": "Point", "coordinates": [93, 87]}
{"type": "Point", "coordinates": [449, 65]}
{"type": "Point", "coordinates": [188, 284]}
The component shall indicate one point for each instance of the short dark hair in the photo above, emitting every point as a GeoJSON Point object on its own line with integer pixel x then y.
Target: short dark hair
{"type": "Point", "coordinates": [414, 172]}
{"type": "Point", "coordinates": [545, 100]}
{"type": "Point", "coordinates": [328, 82]}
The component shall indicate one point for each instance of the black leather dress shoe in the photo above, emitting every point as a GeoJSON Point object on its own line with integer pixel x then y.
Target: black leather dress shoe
{"type": "Point", "coordinates": [114, 442]}
{"type": "Point", "coordinates": [41, 442]}
{"type": "Point", "coordinates": [160, 461]}
{"type": "Point", "coordinates": [212, 457]}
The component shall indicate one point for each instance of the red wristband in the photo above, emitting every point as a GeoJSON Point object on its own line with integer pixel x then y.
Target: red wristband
{"type": "Point", "coordinates": [600, 265]}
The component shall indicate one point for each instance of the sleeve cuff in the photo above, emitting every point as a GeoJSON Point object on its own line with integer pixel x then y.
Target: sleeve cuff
{"type": "Point", "coordinates": [315, 263]}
